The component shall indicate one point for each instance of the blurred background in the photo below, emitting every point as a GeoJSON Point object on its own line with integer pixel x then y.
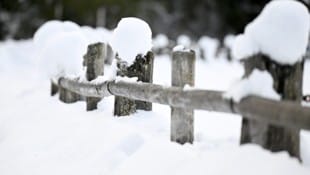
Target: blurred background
{"type": "Point", "coordinates": [19, 19]}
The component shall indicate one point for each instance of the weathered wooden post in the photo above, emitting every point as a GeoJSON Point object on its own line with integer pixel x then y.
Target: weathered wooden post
{"type": "Point", "coordinates": [142, 68]}
{"type": "Point", "coordinates": [109, 54]}
{"type": "Point", "coordinates": [67, 96]}
{"type": "Point", "coordinates": [182, 120]}
{"type": "Point", "coordinates": [94, 62]}
{"type": "Point", "coordinates": [54, 87]}
{"type": "Point", "coordinates": [288, 83]}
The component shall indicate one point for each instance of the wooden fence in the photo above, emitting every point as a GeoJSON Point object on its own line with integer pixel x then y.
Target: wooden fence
{"type": "Point", "coordinates": [286, 113]}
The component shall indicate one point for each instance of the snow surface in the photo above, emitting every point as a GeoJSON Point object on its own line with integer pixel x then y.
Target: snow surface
{"type": "Point", "coordinates": [281, 31]}
{"type": "Point", "coordinates": [41, 135]}
{"type": "Point", "coordinates": [259, 83]}
{"type": "Point", "coordinates": [131, 37]}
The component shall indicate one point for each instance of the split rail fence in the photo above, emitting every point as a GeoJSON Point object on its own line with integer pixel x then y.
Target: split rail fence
{"type": "Point", "coordinates": [140, 95]}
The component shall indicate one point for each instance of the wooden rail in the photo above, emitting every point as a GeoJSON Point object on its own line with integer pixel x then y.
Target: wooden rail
{"type": "Point", "coordinates": [274, 125]}
{"type": "Point", "coordinates": [281, 113]}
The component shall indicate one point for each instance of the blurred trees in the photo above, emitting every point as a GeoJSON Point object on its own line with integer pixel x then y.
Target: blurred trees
{"type": "Point", "coordinates": [20, 18]}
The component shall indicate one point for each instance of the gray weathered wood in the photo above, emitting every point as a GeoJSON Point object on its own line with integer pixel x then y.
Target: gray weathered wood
{"type": "Point", "coordinates": [94, 62]}
{"type": "Point", "coordinates": [67, 96]}
{"type": "Point", "coordinates": [280, 113]}
{"type": "Point", "coordinates": [288, 83]}
{"type": "Point", "coordinates": [142, 68]}
{"type": "Point", "coordinates": [54, 88]}
{"type": "Point", "coordinates": [123, 106]}
{"type": "Point", "coordinates": [182, 119]}
{"type": "Point", "coordinates": [109, 56]}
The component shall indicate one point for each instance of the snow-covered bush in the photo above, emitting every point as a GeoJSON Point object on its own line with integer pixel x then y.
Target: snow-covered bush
{"type": "Point", "coordinates": [280, 31]}
{"type": "Point", "coordinates": [131, 37]}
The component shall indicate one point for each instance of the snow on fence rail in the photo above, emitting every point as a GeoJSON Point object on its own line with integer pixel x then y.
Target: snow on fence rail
{"type": "Point", "coordinates": [130, 96]}
{"type": "Point", "coordinates": [282, 113]}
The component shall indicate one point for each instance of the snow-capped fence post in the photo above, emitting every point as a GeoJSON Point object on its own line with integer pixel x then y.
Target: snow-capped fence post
{"type": "Point", "coordinates": [182, 120]}
{"type": "Point", "coordinates": [288, 83]}
{"type": "Point", "coordinates": [94, 62]}
{"type": "Point", "coordinates": [142, 68]}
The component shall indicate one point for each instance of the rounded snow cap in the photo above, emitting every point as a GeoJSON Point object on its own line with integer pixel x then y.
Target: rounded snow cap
{"type": "Point", "coordinates": [131, 37]}
{"type": "Point", "coordinates": [281, 31]}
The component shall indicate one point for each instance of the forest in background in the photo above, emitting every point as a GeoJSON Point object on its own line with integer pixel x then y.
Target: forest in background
{"type": "Point", "coordinates": [19, 19]}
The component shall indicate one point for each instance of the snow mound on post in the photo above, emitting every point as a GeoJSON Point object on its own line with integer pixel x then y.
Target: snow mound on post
{"type": "Point", "coordinates": [184, 40]}
{"type": "Point", "coordinates": [51, 29]}
{"type": "Point", "coordinates": [63, 55]}
{"type": "Point", "coordinates": [95, 35]}
{"type": "Point", "coordinates": [131, 37]}
{"type": "Point", "coordinates": [281, 31]}
{"type": "Point", "coordinates": [161, 41]}
{"type": "Point", "coordinates": [259, 83]}
{"type": "Point", "coordinates": [208, 46]}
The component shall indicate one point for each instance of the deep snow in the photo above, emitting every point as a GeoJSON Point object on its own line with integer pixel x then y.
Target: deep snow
{"type": "Point", "coordinates": [41, 135]}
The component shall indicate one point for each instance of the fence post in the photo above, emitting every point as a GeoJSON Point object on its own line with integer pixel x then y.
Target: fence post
{"type": "Point", "coordinates": [109, 54]}
{"type": "Point", "coordinates": [54, 87]}
{"type": "Point", "coordinates": [123, 106]}
{"type": "Point", "coordinates": [288, 83]}
{"type": "Point", "coordinates": [94, 62]}
{"type": "Point", "coordinates": [67, 96]}
{"type": "Point", "coordinates": [142, 68]}
{"type": "Point", "coordinates": [182, 120]}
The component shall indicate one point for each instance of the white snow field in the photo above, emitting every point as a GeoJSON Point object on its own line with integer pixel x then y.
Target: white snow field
{"type": "Point", "coordinates": [39, 135]}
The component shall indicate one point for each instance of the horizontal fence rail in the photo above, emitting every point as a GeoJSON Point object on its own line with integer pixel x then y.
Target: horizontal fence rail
{"type": "Point", "coordinates": [281, 113]}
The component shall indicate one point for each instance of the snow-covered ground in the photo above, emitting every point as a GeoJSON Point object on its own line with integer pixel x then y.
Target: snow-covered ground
{"type": "Point", "coordinates": [41, 135]}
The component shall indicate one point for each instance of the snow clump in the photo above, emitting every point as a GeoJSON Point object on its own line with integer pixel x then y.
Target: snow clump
{"type": "Point", "coordinates": [50, 30]}
{"type": "Point", "coordinates": [178, 48]}
{"type": "Point", "coordinates": [63, 55]}
{"type": "Point", "coordinates": [259, 83]}
{"type": "Point", "coordinates": [161, 41]}
{"type": "Point", "coordinates": [95, 35]}
{"type": "Point", "coordinates": [209, 46]}
{"type": "Point", "coordinates": [184, 40]}
{"type": "Point", "coordinates": [281, 31]}
{"type": "Point", "coordinates": [131, 37]}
